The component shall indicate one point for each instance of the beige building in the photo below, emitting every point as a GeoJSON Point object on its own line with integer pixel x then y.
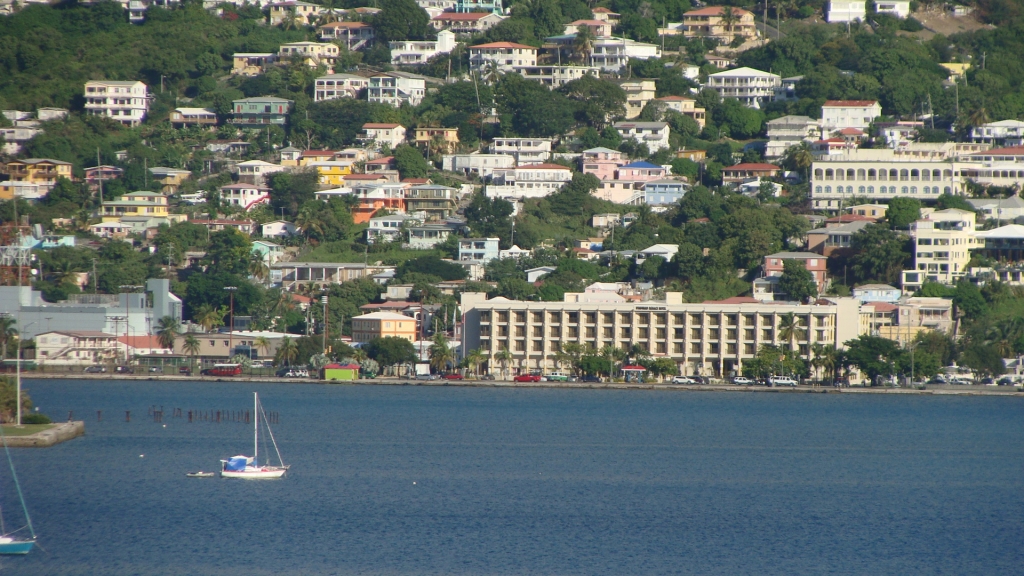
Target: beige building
{"type": "Point", "coordinates": [383, 325]}
{"type": "Point", "coordinates": [685, 106]}
{"type": "Point", "coordinates": [220, 346]}
{"type": "Point", "coordinates": [943, 241]}
{"type": "Point", "coordinates": [638, 94]}
{"type": "Point", "coordinates": [712, 22]}
{"type": "Point", "coordinates": [75, 348]}
{"type": "Point", "coordinates": [251, 63]}
{"type": "Point", "coordinates": [312, 53]}
{"type": "Point", "coordinates": [711, 338]}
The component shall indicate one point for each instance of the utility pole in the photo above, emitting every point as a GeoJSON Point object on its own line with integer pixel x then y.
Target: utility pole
{"type": "Point", "coordinates": [323, 300]}
{"type": "Point", "coordinates": [99, 167]}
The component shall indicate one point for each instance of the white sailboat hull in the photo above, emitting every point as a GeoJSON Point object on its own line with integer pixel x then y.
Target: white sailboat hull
{"type": "Point", "coordinates": [252, 473]}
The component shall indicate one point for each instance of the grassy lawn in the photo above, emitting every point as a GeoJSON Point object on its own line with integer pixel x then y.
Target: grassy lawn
{"type": "Point", "coordinates": [11, 430]}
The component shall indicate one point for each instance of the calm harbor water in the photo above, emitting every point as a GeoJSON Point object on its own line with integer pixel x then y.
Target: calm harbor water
{"type": "Point", "coordinates": [418, 480]}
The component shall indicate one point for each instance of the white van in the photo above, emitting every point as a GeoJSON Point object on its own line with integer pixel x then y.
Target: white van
{"type": "Point", "coordinates": [782, 381]}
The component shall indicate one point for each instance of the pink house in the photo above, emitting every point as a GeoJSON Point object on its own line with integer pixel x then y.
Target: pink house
{"type": "Point", "coordinates": [641, 170]}
{"type": "Point", "coordinates": [601, 162]}
{"type": "Point", "coordinates": [815, 263]}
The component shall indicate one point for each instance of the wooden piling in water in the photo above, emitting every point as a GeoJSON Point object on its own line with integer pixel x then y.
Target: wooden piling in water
{"type": "Point", "coordinates": [127, 415]}
{"type": "Point", "coordinates": [99, 415]}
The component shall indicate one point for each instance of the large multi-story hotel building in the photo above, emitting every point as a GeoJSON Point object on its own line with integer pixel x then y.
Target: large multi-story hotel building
{"type": "Point", "coordinates": [710, 338]}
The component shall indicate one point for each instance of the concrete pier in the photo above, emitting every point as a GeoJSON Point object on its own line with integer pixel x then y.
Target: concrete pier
{"type": "Point", "coordinates": [58, 433]}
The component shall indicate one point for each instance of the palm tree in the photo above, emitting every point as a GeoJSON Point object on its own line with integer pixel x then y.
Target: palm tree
{"type": "Point", "coordinates": [729, 18]}
{"type": "Point", "coordinates": [311, 223]}
{"type": "Point", "coordinates": [209, 317]}
{"type": "Point", "coordinates": [583, 44]}
{"type": "Point", "coordinates": [290, 21]}
{"type": "Point", "coordinates": [788, 329]}
{"type": "Point", "coordinates": [258, 268]}
{"type": "Point", "coordinates": [288, 351]}
{"type": "Point", "coordinates": [504, 357]}
{"type": "Point", "coordinates": [824, 359]}
{"type": "Point", "coordinates": [191, 347]}
{"type": "Point", "coordinates": [167, 330]}
{"type": "Point", "coordinates": [8, 330]}
{"type": "Point", "coordinates": [474, 359]}
{"type": "Point", "coordinates": [441, 355]}
{"type": "Point", "coordinates": [261, 344]}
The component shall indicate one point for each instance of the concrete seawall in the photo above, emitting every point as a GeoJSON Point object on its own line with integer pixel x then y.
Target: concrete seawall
{"type": "Point", "coordinates": [59, 433]}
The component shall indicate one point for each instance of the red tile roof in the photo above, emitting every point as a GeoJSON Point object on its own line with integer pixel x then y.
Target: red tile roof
{"type": "Point", "coordinates": [384, 160]}
{"type": "Point", "coordinates": [845, 103]}
{"type": "Point", "coordinates": [852, 132]}
{"type": "Point", "coordinates": [882, 306]}
{"type": "Point", "coordinates": [1008, 151]}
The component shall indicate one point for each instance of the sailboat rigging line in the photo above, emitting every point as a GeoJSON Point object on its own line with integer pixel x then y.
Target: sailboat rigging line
{"type": "Point", "coordinates": [271, 434]}
{"type": "Point", "coordinates": [17, 485]}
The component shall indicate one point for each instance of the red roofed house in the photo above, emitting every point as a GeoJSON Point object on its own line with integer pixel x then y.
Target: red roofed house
{"type": "Point", "coordinates": [384, 164]}
{"type": "Point", "coordinates": [839, 114]}
{"type": "Point", "coordinates": [309, 156]}
{"type": "Point", "coordinates": [852, 136]}
{"type": "Point", "coordinates": [505, 56]}
{"type": "Point", "coordinates": [710, 22]}
{"type": "Point", "coordinates": [599, 28]}
{"type": "Point", "coordinates": [466, 22]}
{"type": "Point", "coordinates": [748, 171]}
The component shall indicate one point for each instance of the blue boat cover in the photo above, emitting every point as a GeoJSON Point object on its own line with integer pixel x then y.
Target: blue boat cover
{"type": "Point", "coordinates": [236, 463]}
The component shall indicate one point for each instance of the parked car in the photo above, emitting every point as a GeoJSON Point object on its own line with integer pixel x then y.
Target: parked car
{"type": "Point", "coordinates": [453, 376]}
{"type": "Point", "coordinates": [426, 376]}
{"type": "Point", "coordinates": [156, 369]}
{"type": "Point", "coordinates": [488, 377]}
{"type": "Point", "coordinates": [988, 381]}
{"type": "Point", "coordinates": [557, 377]}
{"type": "Point", "coordinates": [297, 373]}
{"type": "Point", "coordinates": [683, 380]}
{"type": "Point", "coordinates": [1005, 381]}
{"type": "Point", "coordinates": [95, 369]}
{"type": "Point", "coordinates": [590, 378]}
{"type": "Point", "coordinates": [782, 381]}
{"type": "Point", "coordinates": [527, 378]}
{"type": "Point", "coordinates": [124, 370]}
{"type": "Point", "coordinates": [184, 370]}
{"type": "Point", "coordinates": [742, 380]}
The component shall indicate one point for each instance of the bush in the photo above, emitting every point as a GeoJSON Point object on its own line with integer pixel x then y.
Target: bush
{"type": "Point", "coordinates": [805, 11]}
{"type": "Point", "coordinates": [35, 418]}
{"type": "Point", "coordinates": [911, 25]}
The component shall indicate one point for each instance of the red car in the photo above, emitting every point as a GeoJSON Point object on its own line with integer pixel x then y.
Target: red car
{"type": "Point", "coordinates": [527, 378]}
{"type": "Point", "coordinates": [453, 376]}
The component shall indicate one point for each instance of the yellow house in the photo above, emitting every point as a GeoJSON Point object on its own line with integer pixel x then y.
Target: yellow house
{"type": "Point", "coordinates": [445, 140]}
{"type": "Point", "coordinates": [135, 204]}
{"type": "Point", "coordinates": [169, 178]}
{"type": "Point", "coordinates": [38, 170]}
{"type": "Point", "coordinates": [332, 172]}
{"type": "Point", "coordinates": [381, 325]}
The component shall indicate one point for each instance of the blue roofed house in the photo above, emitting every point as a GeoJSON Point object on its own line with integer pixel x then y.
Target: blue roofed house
{"type": "Point", "coordinates": [640, 170]}
{"type": "Point", "coordinates": [664, 191]}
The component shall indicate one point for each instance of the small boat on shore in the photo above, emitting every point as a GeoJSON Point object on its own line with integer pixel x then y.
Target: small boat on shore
{"type": "Point", "coordinates": [200, 474]}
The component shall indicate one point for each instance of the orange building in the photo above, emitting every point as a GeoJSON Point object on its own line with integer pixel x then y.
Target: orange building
{"type": "Point", "coordinates": [378, 197]}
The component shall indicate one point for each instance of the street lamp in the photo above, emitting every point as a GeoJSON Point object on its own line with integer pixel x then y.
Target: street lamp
{"type": "Point", "coordinates": [127, 314]}
{"type": "Point", "coordinates": [17, 363]}
{"type": "Point", "coordinates": [231, 322]}
{"type": "Point", "coordinates": [323, 300]}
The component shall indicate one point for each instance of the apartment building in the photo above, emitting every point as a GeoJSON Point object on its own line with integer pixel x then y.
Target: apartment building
{"type": "Point", "coordinates": [523, 150]}
{"type": "Point", "coordinates": [375, 196]}
{"type": "Point", "coordinates": [846, 11]}
{"type": "Point", "coordinates": [790, 131]}
{"type": "Point", "coordinates": [124, 102]}
{"type": "Point", "coordinates": [260, 111]}
{"type": "Point", "coordinates": [312, 53]}
{"type": "Point", "coordinates": [445, 140]}
{"type": "Point", "coordinates": [75, 348]}
{"type": "Point", "coordinates": [686, 107]}
{"type": "Point", "coordinates": [39, 171]}
{"type": "Point", "coordinates": [397, 88]}
{"type": "Point", "coordinates": [379, 134]}
{"type": "Point", "coordinates": [601, 162]}
{"type": "Point", "coordinates": [664, 192]}
{"type": "Point", "coordinates": [555, 76]}
{"type": "Point", "coordinates": [252, 63]}
{"type": "Point", "coordinates": [482, 165]}
{"type": "Point", "coordinates": [613, 54]}
{"type": "Point", "coordinates": [414, 52]}
{"type": "Point", "coordinates": [478, 249]}
{"type": "Point", "coordinates": [712, 22]}
{"type": "Point", "coordinates": [388, 228]}
{"type": "Point", "coordinates": [501, 56]}
{"type": "Point", "coordinates": [247, 196]}
{"type": "Point", "coordinates": [353, 35]}
{"type": "Point", "coordinates": [943, 241]}
{"type": "Point", "coordinates": [653, 134]}
{"type": "Point", "coordinates": [466, 22]}
{"type": "Point", "coordinates": [366, 327]}
{"type": "Point", "coordinates": [334, 86]}
{"type": "Point", "coordinates": [492, 6]}
{"type": "Point", "coordinates": [638, 94]}
{"type": "Point", "coordinates": [713, 338]}
{"type": "Point", "coordinates": [528, 181]}
{"type": "Point", "coordinates": [437, 202]}
{"type": "Point", "coordinates": [839, 114]}
{"type": "Point", "coordinates": [752, 87]}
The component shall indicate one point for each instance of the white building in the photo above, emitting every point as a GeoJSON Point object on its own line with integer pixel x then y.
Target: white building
{"type": "Point", "coordinates": [256, 171]}
{"type": "Point", "coordinates": [846, 11]}
{"type": "Point", "coordinates": [524, 150]}
{"type": "Point", "coordinates": [1003, 132]}
{"type": "Point", "coordinates": [528, 181]}
{"type": "Point", "coordinates": [1010, 208]}
{"type": "Point", "coordinates": [397, 88]}
{"type": "Point", "coordinates": [278, 229]}
{"type": "Point", "coordinates": [389, 228]}
{"type": "Point", "coordinates": [613, 54]}
{"type": "Point", "coordinates": [943, 241]}
{"type": "Point", "coordinates": [501, 56]}
{"type": "Point", "coordinates": [555, 76]}
{"type": "Point", "coordinates": [353, 35]}
{"type": "Point", "coordinates": [897, 8]}
{"type": "Point", "coordinates": [246, 196]}
{"type": "Point", "coordinates": [749, 86]}
{"type": "Point", "coordinates": [334, 86]}
{"type": "Point", "coordinates": [839, 114]}
{"type": "Point", "coordinates": [653, 134]}
{"type": "Point", "coordinates": [790, 131]}
{"type": "Point", "coordinates": [383, 134]}
{"type": "Point", "coordinates": [413, 52]}
{"type": "Point", "coordinates": [483, 165]}
{"type": "Point", "coordinates": [15, 137]}
{"type": "Point", "coordinates": [466, 22]}
{"type": "Point", "coordinates": [124, 102]}
{"type": "Point", "coordinates": [75, 348]}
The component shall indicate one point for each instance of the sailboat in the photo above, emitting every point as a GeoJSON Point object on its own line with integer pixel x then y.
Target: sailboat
{"type": "Point", "coordinates": [249, 467]}
{"type": "Point", "coordinates": [9, 542]}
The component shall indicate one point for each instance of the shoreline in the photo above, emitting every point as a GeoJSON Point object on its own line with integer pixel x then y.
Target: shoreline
{"type": "Point", "coordinates": [59, 432]}
{"type": "Point", "coordinates": [945, 390]}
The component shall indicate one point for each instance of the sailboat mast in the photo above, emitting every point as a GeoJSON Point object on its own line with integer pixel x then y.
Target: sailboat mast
{"type": "Point", "coordinates": [255, 429]}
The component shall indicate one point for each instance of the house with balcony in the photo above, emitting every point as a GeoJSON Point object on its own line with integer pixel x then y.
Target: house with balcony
{"type": "Point", "coordinates": [124, 102]}
{"type": "Point", "coordinates": [333, 86]}
{"type": "Point", "coordinates": [182, 117]}
{"type": "Point", "coordinates": [331, 172]}
{"type": "Point", "coordinates": [446, 140]}
{"type": "Point", "coordinates": [415, 52]}
{"type": "Point", "coordinates": [279, 229]}
{"type": "Point", "coordinates": [481, 250]}
{"type": "Point", "coordinates": [999, 209]}
{"type": "Point", "coordinates": [313, 54]}
{"type": "Point", "coordinates": [170, 179]}
{"type": "Point", "coordinates": [466, 22]}
{"type": "Point", "coordinates": [475, 163]}
{"type": "Point", "coordinates": [388, 228]}
{"type": "Point", "coordinates": [397, 88]}
{"type": "Point", "coordinates": [598, 28]}
{"type": "Point", "coordinates": [437, 202]}
{"type": "Point", "coordinates": [492, 6]}
{"type": "Point", "coordinates": [15, 137]}
{"type": "Point", "coordinates": [839, 114]}
{"type": "Point", "coordinates": [501, 56]}
{"type": "Point", "coordinates": [555, 76]}
{"type": "Point", "coordinates": [653, 134]}
{"type": "Point", "coordinates": [834, 237]}
{"type": "Point", "coordinates": [380, 134]}
{"type": "Point", "coordinates": [613, 54]}
{"type": "Point", "coordinates": [751, 87]}
{"type": "Point", "coordinates": [427, 236]}
{"type": "Point", "coordinates": [304, 13]}
{"type": "Point", "coordinates": [39, 171]}
{"type": "Point", "coordinates": [524, 150]}
{"type": "Point", "coordinates": [664, 191]}
{"type": "Point", "coordinates": [246, 196]}
{"type": "Point", "coordinates": [789, 131]}
{"type": "Point", "coordinates": [686, 107]}
{"type": "Point", "coordinates": [252, 63]}
{"type": "Point", "coordinates": [712, 22]}
{"type": "Point", "coordinates": [96, 174]}
{"type": "Point", "coordinates": [256, 171]}
{"type": "Point", "coordinates": [374, 197]}
{"type": "Point", "coordinates": [260, 111]}
{"type": "Point", "coordinates": [640, 170]}
{"type": "Point", "coordinates": [846, 11]}
{"type": "Point", "coordinates": [75, 348]}
{"type": "Point", "coordinates": [1001, 133]}
{"type": "Point", "coordinates": [638, 94]}
{"type": "Point", "coordinates": [528, 181]}
{"type": "Point", "coordinates": [749, 171]}
{"type": "Point", "coordinates": [877, 293]}
{"type": "Point", "coordinates": [601, 162]}
{"type": "Point", "coordinates": [897, 8]}
{"type": "Point", "coordinates": [943, 240]}
{"type": "Point", "coordinates": [352, 35]}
